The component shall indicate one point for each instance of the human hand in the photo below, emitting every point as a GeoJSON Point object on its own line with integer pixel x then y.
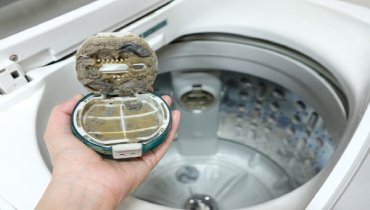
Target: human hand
{"type": "Point", "coordinates": [81, 178]}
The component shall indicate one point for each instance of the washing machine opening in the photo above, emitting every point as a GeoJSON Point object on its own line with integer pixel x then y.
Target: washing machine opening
{"type": "Point", "coordinates": [245, 137]}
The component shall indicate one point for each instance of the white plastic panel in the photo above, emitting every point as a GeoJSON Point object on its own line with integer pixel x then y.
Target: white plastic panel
{"type": "Point", "coordinates": [127, 150]}
{"type": "Point", "coordinates": [11, 77]}
{"type": "Point", "coordinates": [356, 195]}
{"type": "Point", "coordinates": [16, 16]}
{"type": "Point", "coordinates": [23, 118]}
{"type": "Point", "coordinates": [5, 205]}
{"type": "Point", "coordinates": [365, 3]}
{"type": "Point", "coordinates": [61, 36]}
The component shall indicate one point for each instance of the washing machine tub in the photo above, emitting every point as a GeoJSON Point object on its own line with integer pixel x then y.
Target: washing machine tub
{"type": "Point", "coordinates": [253, 140]}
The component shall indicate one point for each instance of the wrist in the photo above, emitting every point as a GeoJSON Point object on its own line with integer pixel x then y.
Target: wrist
{"type": "Point", "coordinates": [66, 192]}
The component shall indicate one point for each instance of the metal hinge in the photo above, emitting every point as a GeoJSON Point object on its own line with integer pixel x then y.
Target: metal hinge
{"type": "Point", "coordinates": [11, 77]}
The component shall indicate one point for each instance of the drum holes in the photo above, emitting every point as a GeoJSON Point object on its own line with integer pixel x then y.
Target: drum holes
{"type": "Point", "coordinates": [312, 120]}
{"type": "Point", "coordinates": [300, 106]}
{"type": "Point", "coordinates": [262, 90]}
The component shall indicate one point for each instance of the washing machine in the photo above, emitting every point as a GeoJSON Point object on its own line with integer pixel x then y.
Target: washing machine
{"type": "Point", "coordinates": [274, 97]}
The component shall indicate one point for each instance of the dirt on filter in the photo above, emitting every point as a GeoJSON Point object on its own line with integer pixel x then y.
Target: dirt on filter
{"type": "Point", "coordinates": [129, 50]}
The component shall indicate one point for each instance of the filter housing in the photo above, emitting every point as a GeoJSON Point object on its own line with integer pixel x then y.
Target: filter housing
{"type": "Point", "coordinates": [120, 118]}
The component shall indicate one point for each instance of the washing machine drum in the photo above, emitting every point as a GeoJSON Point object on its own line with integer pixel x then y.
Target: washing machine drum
{"type": "Point", "coordinates": [244, 139]}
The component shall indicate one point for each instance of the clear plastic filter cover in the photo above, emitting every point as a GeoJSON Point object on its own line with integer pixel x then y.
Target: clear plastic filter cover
{"type": "Point", "coordinates": [120, 117]}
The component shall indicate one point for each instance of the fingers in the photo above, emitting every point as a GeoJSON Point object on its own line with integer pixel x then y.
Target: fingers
{"type": "Point", "coordinates": [162, 149]}
{"type": "Point", "coordinates": [60, 117]}
{"type": "Point", "coordinates": [167, 99]}
{"type": "Point", "coordinates": [68, 106]}
{"type": "Point", "coordinates": [60, 123]}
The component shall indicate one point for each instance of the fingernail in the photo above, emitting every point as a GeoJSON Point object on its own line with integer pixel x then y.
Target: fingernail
{"type": "Point", "coordinates": [79, 96]}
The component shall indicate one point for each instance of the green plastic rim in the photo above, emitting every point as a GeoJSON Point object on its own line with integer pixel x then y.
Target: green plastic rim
{"type": "Point", "coordinates": [107, 150]}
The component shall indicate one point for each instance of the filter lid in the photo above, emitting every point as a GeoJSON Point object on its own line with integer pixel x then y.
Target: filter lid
{"type": "Point", "coordinates": [116, 63]}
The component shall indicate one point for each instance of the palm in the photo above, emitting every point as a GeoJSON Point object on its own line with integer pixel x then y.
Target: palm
{"type": "Point", "coordinates": [70, 157]}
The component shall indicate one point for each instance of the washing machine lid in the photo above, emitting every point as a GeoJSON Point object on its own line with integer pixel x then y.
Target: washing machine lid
{"type": "Point", "coordinates": [60, 36]}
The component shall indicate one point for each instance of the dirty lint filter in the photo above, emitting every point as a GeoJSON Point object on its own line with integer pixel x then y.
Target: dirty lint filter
{"type": "Point", "coordinates": [120, 118]}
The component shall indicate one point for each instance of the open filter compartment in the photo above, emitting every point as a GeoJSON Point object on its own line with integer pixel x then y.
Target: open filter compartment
{"type": "Point", "coordinates": [121, 127]}
{"type": "Point", "coordinates": [121, 119]}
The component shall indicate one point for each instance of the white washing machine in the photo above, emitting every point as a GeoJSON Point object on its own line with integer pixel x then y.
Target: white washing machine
{"type": "Point", "coordinates": [273, 94]}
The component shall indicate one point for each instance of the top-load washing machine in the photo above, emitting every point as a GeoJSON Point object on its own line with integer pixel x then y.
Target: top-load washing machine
{"type": "Point", "coordinates": [273, 94]}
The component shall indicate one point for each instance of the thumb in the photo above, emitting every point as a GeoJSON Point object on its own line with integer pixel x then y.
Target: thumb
{"type": "Point", "coordinates": [59, 126]}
